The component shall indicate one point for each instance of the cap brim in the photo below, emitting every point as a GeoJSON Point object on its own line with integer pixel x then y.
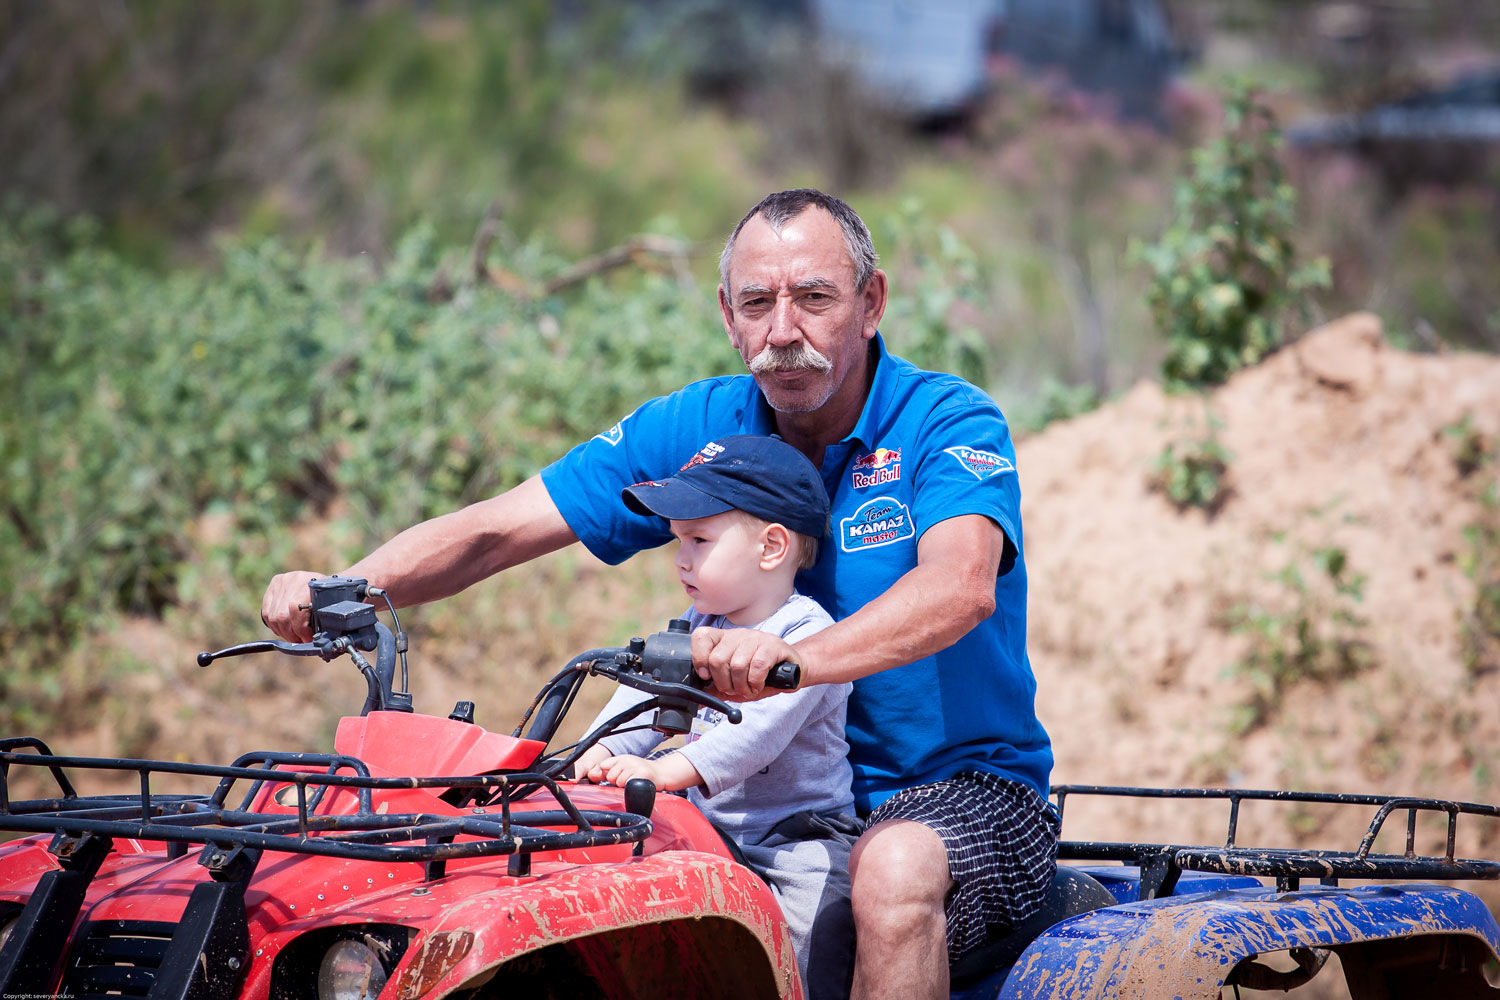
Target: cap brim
{"type": "Point", "coordinates": [672, 499]}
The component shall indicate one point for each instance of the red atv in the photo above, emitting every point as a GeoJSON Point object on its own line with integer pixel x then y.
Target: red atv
{"type": "Point", "coordinates": [424, 857]}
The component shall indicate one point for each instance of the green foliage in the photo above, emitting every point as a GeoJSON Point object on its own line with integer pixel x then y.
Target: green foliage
{"type": "Point", "coordinates": [254, 393]}
{"type": "Point", "coordinates": [1224, 272]}
{"type": "Point", "coordinates": [1193, 469]}
{"type": "Point", "coordinates": [1442, 243]}
{"type": "Point", "coordinates": [1479, 623]}
{"type": "Point", "coordinates": [1470, 450]}
{"type": "Point", "coordinates": [1193, 473]}
{"type": "Point", "coordinates": [170, 121]}
{"type": "Point", "coordinates": [1310, 629]}
{"type": "Point", "coordinates": [938, 280]}
{"type": "Point", "coordinates": [1057, 401]}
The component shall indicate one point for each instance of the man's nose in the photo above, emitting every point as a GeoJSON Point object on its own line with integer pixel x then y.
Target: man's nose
{"type": "Point", "coordinates": [784, 328]}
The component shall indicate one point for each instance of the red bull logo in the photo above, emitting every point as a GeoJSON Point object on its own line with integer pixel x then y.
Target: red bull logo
{"type": "Point", "coordinates": [883, 465]}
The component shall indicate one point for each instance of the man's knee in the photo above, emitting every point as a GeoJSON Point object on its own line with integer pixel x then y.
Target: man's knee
{"type": "Point", "coordinates": [898, 863]}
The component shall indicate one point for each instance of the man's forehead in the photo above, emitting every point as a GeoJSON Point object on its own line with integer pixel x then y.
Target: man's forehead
{"type": "Point", "coordinates": [809, 247]}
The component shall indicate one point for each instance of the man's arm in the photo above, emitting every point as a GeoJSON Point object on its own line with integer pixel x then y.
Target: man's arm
{"type": "Point", "coordinates": [437, 558]}
{"type": "Point", "coordinates": [932, 606]}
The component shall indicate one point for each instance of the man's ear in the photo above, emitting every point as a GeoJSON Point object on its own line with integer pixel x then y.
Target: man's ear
{"type": "Point", "coordinates": [775, 545]}
{"type": "Point", "coordinates": [727, 311]}
{"type": "Point", "coordinates": [873, 298]}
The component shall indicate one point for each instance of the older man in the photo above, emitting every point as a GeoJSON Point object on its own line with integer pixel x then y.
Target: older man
{"type": "Point", "coordinates": [924, 575]}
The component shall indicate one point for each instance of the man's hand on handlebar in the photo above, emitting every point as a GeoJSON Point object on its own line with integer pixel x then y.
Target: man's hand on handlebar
{"type": "Point", "coordinates": [284, 608]}
{"type": "Point", "coordinates": [736, 661]}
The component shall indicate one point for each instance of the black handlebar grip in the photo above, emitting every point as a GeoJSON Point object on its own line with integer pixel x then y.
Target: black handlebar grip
{"type": "Point", "coordinates": [786, 676]}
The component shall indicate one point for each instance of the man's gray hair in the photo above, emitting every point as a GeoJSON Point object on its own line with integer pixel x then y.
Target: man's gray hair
{"type": "Point", "coordinates": [780, 208]}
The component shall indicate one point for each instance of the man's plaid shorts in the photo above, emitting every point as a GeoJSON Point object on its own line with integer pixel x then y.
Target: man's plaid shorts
{"type": "Point", "coordinates": [1001, 838]}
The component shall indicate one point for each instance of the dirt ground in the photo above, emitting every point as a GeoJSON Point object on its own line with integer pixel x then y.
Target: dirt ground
{"type": "Point", "coordinates": [1147, 670]}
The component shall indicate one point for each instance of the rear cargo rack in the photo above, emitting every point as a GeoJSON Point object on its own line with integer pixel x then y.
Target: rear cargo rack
{"type": "Point", "coordinates": [363, 834]}
{"type": "Point", "coordinates": [1160, 864]}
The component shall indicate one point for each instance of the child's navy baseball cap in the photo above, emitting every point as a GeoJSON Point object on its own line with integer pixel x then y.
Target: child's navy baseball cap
{"type": "Point", "coordinates": [762, 476]}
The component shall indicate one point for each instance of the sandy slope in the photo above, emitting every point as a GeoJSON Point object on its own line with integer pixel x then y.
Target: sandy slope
{"type": "Point", "coordinates": [1339, 442]}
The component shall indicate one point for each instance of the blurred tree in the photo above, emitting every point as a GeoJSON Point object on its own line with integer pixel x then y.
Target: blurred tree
{"type": "Point", "coordinates": [143, 114]}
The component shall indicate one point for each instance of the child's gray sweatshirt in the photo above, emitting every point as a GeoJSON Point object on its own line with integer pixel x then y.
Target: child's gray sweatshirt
{"type": "Point", "coordinates": [787, 755]}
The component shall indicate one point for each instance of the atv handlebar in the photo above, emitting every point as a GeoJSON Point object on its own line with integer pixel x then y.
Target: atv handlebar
{"type": "Point", "coordinates": [345, 624]}
{"type": "Point", "coordinates": [660, 665]}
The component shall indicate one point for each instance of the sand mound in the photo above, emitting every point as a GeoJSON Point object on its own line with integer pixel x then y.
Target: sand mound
{"type": "Point", "coordinates": [1155, 631]}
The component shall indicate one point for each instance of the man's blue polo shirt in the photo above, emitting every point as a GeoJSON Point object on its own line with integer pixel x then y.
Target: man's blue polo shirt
{"type": "Point", "coordinates": [927, 447]}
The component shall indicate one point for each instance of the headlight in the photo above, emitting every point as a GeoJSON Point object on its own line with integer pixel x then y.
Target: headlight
{"type": "Point", "coordinates": [339, 962]}
{"type": "Point", "coordinates": [350, 970]}
{"type": "Point", "coordinates": [6, 926]}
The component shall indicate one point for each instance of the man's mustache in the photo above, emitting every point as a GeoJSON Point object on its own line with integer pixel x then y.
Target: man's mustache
{"type": "Point", "coordinates": [791, 357]}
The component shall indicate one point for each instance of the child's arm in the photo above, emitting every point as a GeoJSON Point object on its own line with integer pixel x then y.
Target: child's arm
{"type": "Point", "coordinates": [728, 754]}
{"type": "Point", "coordinates": [670, 773]}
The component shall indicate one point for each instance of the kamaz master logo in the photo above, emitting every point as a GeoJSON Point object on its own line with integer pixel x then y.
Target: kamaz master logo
{"type": "Point", "coordinates": [877, 522]}
{"type": "Point", "coordinates": [983, 464]}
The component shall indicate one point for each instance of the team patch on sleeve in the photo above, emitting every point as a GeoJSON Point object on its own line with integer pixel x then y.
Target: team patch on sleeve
{"type": "Point", "coordinates": [614, 435]}
{"type": "Point", "coordinates": [877, 522]}
{"type": "Point", "coordinates": [983, 464]}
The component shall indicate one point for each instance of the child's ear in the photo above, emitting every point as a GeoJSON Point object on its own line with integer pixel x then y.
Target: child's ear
{"type": "Point", "coordinates": [775, 545]}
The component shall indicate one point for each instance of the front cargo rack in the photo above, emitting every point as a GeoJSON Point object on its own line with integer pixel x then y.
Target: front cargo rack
{"type": "Point", "coordinates": [1160, 864]}
{"type": "Point", "coordinates": [363, 834]}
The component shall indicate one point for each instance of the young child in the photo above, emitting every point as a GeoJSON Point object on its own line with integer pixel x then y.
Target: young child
{"type": "Point", "coordinates": [749, 512]}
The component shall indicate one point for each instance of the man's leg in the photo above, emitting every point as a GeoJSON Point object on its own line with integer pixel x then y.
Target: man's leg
{"type": "Point", "coordinates": [940, 866]}
{"type": "Point", "coordinates": [900, 879]}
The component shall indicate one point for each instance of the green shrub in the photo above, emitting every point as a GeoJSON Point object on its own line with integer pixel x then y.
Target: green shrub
{"type": "Point", "coordinates": [1224, 273]}
{"type": "Point", "coordinates": [933, 274]}
{"type": "Point", "coordinates": [1193, 473]}
{"type": "Point", "coordinates": [1308, 629]}
{"type": "Point", "coordinates": [1479, 559]}
{"type": "Point", "coordinates": [1193, 468]}
{"type": "Point", "coordinates": [259, 389]}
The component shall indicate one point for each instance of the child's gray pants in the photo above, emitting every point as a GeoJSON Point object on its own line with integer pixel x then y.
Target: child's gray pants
{"type": "Point", "coordinates": [805, 860]}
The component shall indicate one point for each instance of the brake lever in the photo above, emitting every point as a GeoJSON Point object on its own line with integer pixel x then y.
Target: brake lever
{"type": "Point", "coordinates": [265, 646]}
{"type": "Point", "coordinates": [671, 689]}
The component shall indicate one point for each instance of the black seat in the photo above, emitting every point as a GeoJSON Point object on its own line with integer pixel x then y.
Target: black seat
{"type": "Point", "coordinates": [1072, 892]}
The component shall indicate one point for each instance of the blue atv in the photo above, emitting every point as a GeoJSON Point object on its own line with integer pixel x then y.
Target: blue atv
{"type": "Point", "coordinates": [1151, 921]}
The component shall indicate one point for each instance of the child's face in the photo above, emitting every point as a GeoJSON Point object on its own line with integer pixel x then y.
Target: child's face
{"type": "Point", "coordinates": [719, 562]}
